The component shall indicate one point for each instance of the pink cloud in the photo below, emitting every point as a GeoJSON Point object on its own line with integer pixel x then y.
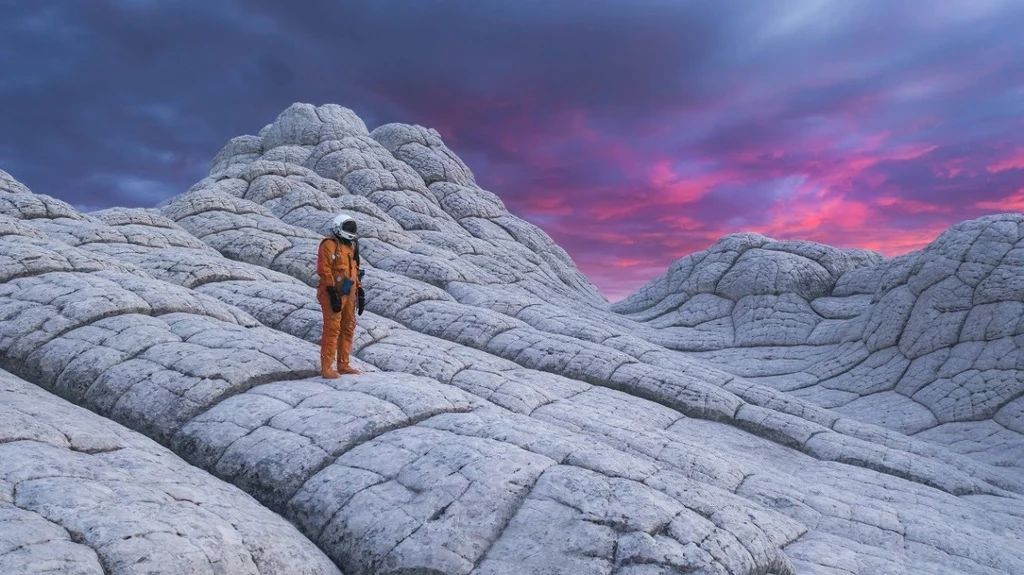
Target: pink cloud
{"type": "Point", "coordinates": [548, 206]}
{"type": "Point", "coordinates": [628, 262]}
{"type": "Point", "coordinates": [1014, 161]}
{"type": "Point", "coordinates": [673, 189]}
{"type": "Point", "coordinates": [911, 206]}
{"type": "Point", "coordinates": [627, 205]}
{"type": "Point", "coordinates": [816, 212]}
{"type": "Point", "coordinates": [1011, 203]}
{"type": "Point", "coordinates": [952, 168]}
{"type": "Point", "coordinates": [895, 242]}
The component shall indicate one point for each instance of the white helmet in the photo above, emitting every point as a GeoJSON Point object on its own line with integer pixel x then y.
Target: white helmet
{"type": "Point", "coordinates": [344, 227]}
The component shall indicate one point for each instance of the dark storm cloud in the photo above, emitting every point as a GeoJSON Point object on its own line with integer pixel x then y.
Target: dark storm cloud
{"type": "Point", "coordinates": [153, 89]}
{"type": "Point", "coordinates": [570, 53]}
{"type": "Point", "coordinates": [632, 131]}
{"type": "Point", "coordinates": [120, 92]}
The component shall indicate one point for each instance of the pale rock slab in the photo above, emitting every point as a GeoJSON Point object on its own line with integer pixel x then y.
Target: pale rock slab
{"type": "Point", "coordinates": [80, 494]}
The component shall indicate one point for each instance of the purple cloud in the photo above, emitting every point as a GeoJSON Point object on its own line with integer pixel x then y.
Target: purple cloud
{"type": "Point", "coordinates": [634, 133]}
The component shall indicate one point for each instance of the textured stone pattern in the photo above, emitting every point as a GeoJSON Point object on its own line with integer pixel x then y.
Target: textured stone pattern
{"type": "Point", "coordinates": [508, 419]}
{"type": "Point", "coordinates": [928, 344]}
{"type": "Point", "coordinates": [81, 494]}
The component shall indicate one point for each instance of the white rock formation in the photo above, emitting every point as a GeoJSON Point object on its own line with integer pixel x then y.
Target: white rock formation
{"type": "Point", "coordinates": [747, 413]}
{"type": "Point", "coordinates": [81, 494]}
{"type": "Point", "coordinates": [928, 344]}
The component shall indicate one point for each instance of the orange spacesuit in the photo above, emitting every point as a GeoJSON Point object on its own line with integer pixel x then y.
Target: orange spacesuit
{"type": "Point", "coordinates": [340, 294]}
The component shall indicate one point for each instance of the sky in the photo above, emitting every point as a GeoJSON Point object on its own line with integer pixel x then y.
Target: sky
{"type": "Point", "coordinates": [634, 132]}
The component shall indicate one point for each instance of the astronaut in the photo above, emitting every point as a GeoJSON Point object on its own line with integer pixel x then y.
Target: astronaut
{"type": "Point", "coordinates": [341, 296]}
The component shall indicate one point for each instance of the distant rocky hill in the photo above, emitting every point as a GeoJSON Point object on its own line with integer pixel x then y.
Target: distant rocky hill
{"type": "Point", "coordinates": [928, 344]}
{"type": "Point", "coordinates": [763, 408]}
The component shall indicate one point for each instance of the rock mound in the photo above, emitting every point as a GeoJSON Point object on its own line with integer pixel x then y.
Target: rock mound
{"type": "Point", "coordinates": [927, 344]}
{"type": "Point", "coordinates": [748, 288]}
{"type": "Point", "coordinates": [508, 421]}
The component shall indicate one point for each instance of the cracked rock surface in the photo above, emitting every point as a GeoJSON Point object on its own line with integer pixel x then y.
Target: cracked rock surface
{"type": "Point", "coordinates": [764, 408]}
{"type": "Point", "coordinates": [927, 344]}
{"type": "Point", "coordinates": [81, 494]}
